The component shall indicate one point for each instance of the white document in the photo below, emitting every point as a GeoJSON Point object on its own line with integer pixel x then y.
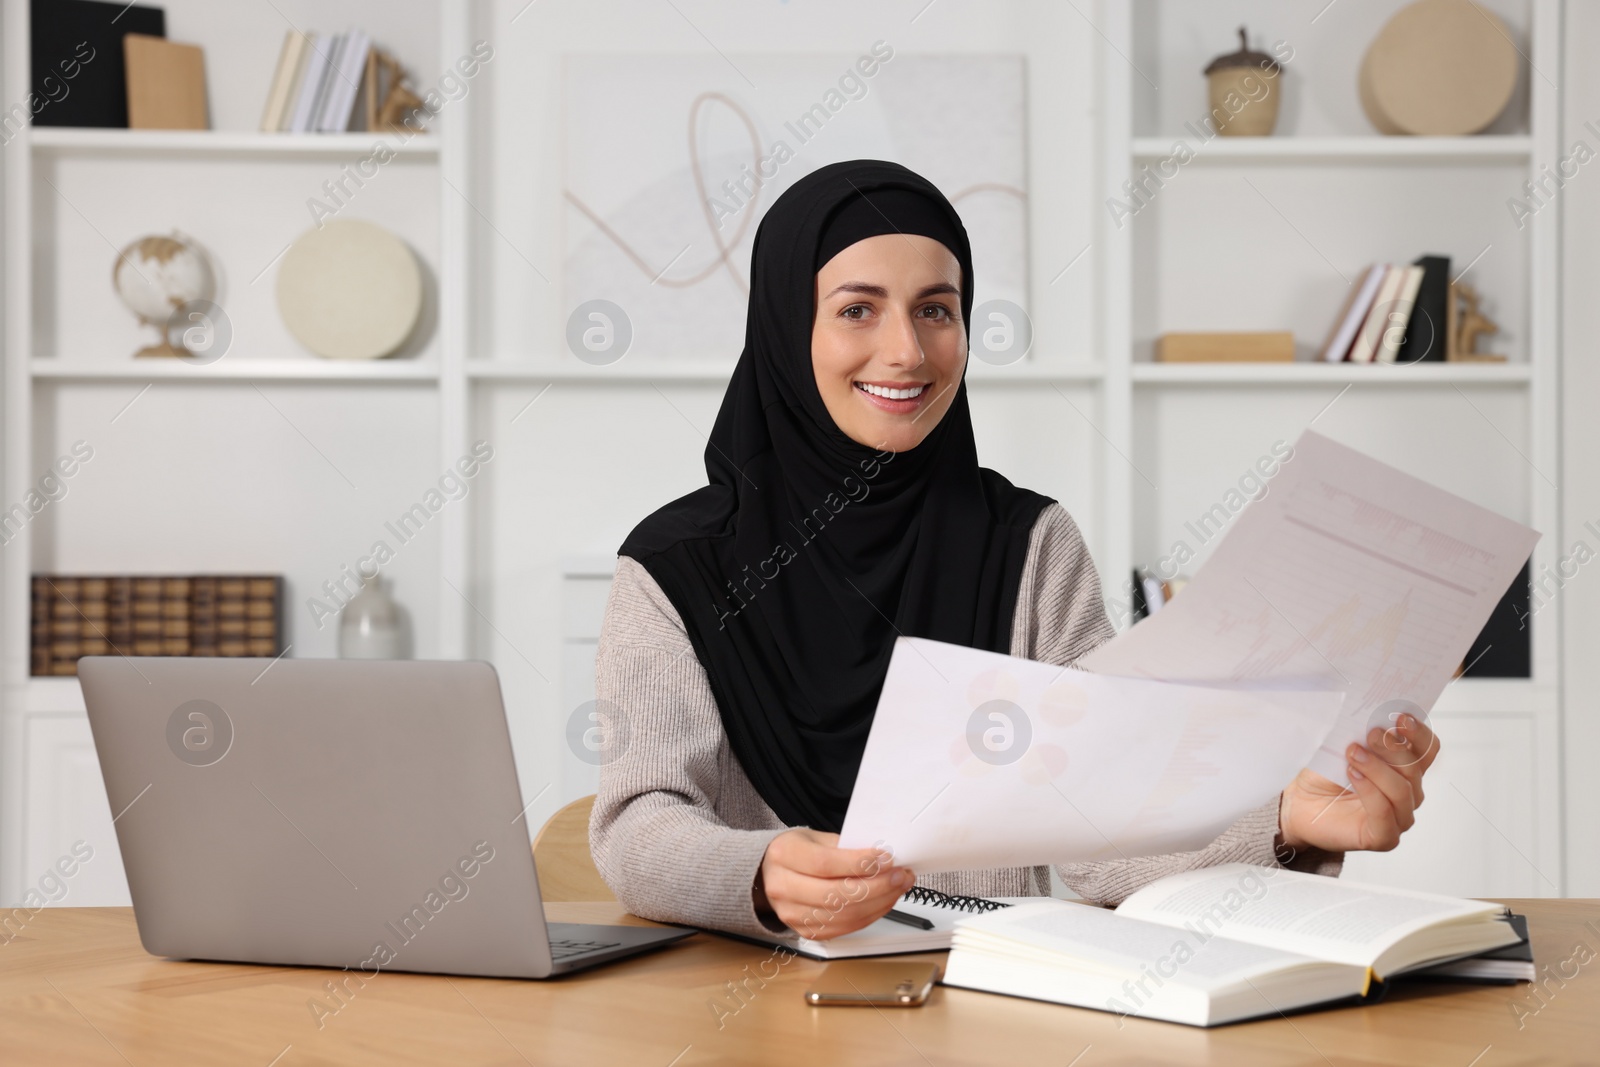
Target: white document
{"type": "Point", "coordinates": [978, 759]}
{"type": "Point", "coordinates": [1347, 573]}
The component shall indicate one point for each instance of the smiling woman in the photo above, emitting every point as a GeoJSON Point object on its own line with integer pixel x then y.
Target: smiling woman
{"type": "Point", "coordinates": [889, 343]}
{"type": "Point", "coordinates": [746, 727]}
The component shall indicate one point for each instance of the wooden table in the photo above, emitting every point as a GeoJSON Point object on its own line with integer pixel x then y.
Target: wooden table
{"type": "Point", "coordinates": [76, 988]}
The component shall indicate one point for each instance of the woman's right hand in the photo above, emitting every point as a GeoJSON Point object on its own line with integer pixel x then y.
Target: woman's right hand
{"type": "Point", "coordinates": [822, 890]}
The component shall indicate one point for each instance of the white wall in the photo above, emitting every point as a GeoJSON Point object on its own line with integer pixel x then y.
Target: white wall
{"type": "Point", "coordinates": [580, 468]}
{"type": "Point", "coordinates": [521, 194]}
{"type": "Point", "coordinates": [1580, 473]}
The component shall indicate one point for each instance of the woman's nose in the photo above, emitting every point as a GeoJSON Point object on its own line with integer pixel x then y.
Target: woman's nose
{"type": "Point", "coordinates": [902, 347]}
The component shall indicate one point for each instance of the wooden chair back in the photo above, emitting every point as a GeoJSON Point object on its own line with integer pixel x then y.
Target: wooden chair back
{"type": "Point", "coordinates": [561, 852]}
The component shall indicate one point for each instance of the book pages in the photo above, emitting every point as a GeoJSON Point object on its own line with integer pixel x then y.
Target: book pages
{"type": "Point", "coordinates": [1328, 918]}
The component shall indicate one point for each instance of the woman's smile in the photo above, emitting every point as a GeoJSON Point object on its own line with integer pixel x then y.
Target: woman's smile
{"type": "Point", "coordinates": [898, 398]}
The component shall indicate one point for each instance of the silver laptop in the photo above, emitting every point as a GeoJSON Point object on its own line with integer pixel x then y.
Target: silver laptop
{"type": "Point", "coordinates": [355, 814]}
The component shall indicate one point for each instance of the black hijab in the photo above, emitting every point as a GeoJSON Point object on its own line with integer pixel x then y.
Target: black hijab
{"type": "Point", "coordinates": [808, 553]}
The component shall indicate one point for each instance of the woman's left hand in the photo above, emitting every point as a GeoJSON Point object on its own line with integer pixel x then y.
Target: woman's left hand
{"type": "Point", "coordinates": [1379, 805]}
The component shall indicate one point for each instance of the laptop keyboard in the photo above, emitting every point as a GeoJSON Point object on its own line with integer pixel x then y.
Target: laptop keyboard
{"type": "Point", "coordinates": [565, 949]}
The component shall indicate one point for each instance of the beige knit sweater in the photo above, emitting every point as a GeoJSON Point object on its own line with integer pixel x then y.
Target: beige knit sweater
{"type": "Point", "coordinates": [678, 831]}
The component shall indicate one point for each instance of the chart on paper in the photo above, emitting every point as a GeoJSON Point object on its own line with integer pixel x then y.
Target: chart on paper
{"type": "Point", "coordinates": [977, 759]}
{"type": "Point", "coordinates": [1347, 573]}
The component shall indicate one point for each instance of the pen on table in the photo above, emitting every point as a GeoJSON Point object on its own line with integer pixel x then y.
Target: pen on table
{"type": "Point", "coordinates": [910, 920]}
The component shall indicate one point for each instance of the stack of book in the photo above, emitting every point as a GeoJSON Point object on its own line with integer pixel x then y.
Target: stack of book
{"type": "Point", "coordinates": [208, 615]}
{"type": "Point", "coordinates": [1394, 314]}
{"type": "Point", "coordinates": [1151, 593]}
{"type": "Point", "coordinates": [80, 66]}
{"type": "Point", "coordinates": [236, 616]}
{"type": "Point", "coordinates": [317, 82]}
{"type": "Point", "coordinates": [160, 616]}
{"type": "Point", "coordinates": [1234, 942]}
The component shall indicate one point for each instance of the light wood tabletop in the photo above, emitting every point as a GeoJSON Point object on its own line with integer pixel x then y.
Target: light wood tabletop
{"type": "Point", "coordinates": [76, 988]}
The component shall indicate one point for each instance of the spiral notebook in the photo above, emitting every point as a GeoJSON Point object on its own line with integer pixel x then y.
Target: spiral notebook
{"type": "Point", "coordinates": [887, 937]}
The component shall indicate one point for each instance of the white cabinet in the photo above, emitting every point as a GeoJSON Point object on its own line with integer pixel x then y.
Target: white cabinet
{"type": "Point", "coordinates": [65, 814]}
{"type": "Point", "coordinates": [585, 584]}
{"type": "Point", "coordinates": [1478, 832]}
{"type": "Point", "coordinates": [1264, 233]}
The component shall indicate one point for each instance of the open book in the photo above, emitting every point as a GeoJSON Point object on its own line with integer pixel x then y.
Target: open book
{"type": "Point", "coordinates": [1220, 944]}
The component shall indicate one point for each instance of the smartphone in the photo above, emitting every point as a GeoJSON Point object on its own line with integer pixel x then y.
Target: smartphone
{"type": "Point", "coordinates": [876, 983]}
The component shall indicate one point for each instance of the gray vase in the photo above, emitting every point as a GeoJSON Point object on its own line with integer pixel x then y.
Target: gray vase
{"type": "Point", "coordinates": [372, 625]}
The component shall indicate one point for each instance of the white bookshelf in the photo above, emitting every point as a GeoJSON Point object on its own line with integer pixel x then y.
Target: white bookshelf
{"type": "Point", "coordinates": [1334, 149]}
{"type": "Point", "coordinates": [717, 373]}
{"type": "Point", "coordinates": [1377, 376]}
{"type": "Point", "coordinates": [1253, 233]}
{"type": "Point", "coordinates": [244, 190]}
{"type": "Point", "coordinates": [482, 205]}
{"type": "Point", "coordinates": [287, 369]}
{"type": "Point", "coordinates": [51, 696]}
{"type": "Point", "coordinates": [59, 140]}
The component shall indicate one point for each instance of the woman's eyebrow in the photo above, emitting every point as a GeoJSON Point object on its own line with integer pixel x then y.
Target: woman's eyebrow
{"type": "Point", "coordinates": [868, 289]}
{"type": "Point", "coordinates": [864, 288]}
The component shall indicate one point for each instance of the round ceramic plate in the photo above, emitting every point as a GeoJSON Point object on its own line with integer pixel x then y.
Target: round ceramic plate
{"type": "Point", "coordinates": [350, 290]}
{"type": "Point", "coordinates": [1438, 67]}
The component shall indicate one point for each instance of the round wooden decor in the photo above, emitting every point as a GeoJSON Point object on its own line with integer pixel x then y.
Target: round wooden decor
{"type": "Point", "coordinates": [350, 290]}
{"type": "Point", "coordinates": [1439, 67]}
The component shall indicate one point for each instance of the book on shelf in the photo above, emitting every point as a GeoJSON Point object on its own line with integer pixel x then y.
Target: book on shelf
{"type": "Point", "coordinates": [344, 83]}
{"type": "Point", "coordinates": [325, 82]}
{"type": "Point", "coordinates": [1504, 647]}
{"type": "Point", "coordinates": [1139, 606]}
{"type": "Point", "coordinates": [321, 83]}
{"type": "Point", "coordinates": [310, 82]}
{"type": "Point", "coordinates": [1364, 348]}
{"type": "Point", "coordinates": [1357, 303]}
{"type": "Point", "coordinates": [1424, 341]}
{"type": "Point", "coordinates": [1260, 346]}
{"type": "Point", "coordinates": [166, 84]}
{"type": "Point", "coordinates": [1394, 313]}
{"type": "Point", "coordinates": [1151, 593]}
{"type": "Point", "coordinates": [332, 80]}
{"type": "Point", "coordinates": [285, 79]}
{"type": "Point", "coordinates": [78, 45]}
{"type": "Point", "coordinates": [1155, 593]}
{"type": "Point", "coordinates": [1398, 314]}
{"type": "Point", "coordinates": [169, 615]}
{"type": "Point", "coordinates": [1223, 944]}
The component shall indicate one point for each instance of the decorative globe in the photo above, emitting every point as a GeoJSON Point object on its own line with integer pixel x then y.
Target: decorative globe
{"type": "Point", "coordinates": [155, 276]}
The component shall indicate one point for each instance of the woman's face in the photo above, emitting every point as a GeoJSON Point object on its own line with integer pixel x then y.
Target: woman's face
{"type": "Point", "coordinates": [887, 345]}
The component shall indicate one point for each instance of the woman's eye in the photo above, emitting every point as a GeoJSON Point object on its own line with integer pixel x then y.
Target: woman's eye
{"type": "Point", "coordinates": [850, 312]}
{"type": "Point", "coordinates": [936, 311]}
